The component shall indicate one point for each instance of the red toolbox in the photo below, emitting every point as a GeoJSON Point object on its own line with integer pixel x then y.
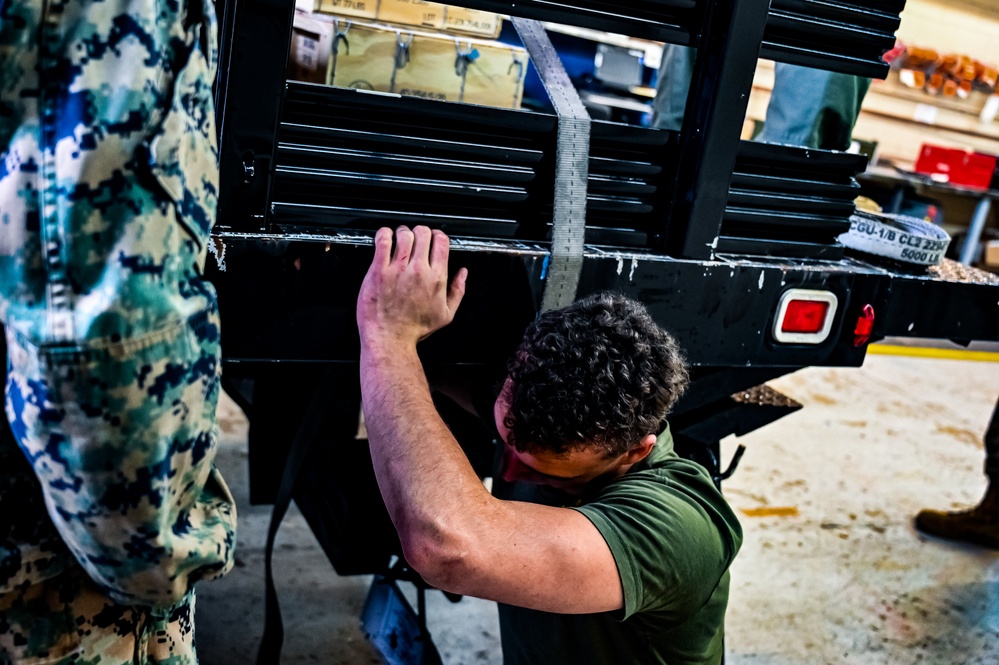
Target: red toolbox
{"type": "Point", "coordinates": [959, 167]}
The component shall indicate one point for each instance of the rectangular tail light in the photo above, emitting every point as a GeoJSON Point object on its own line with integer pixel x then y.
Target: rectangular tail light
{"type": "Point", "coordinates": [804, 316]}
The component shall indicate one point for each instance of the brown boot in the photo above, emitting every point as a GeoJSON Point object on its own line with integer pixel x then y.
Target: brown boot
{"type": "Point", "coordinates": [980, 525]}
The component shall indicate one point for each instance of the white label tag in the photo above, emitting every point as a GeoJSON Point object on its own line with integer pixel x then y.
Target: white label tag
{"type": "Point", "coordinates": [990, 110]}
{"type": "Point", "coordinates": [925, 113]}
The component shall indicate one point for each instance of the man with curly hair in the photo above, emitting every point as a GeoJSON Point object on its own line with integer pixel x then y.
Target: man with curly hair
{"type": "Point", "coordinates": [600, 544]}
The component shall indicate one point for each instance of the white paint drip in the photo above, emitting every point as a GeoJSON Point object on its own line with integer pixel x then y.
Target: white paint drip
{"type": "Point", "coordinates": [761, 279]}
{"type": "Point", "coordinates": [217, 247]}
{"type": "Point", "coordinates": [620, 266]}
{"type": "Point", "coordinates": [631, 274]}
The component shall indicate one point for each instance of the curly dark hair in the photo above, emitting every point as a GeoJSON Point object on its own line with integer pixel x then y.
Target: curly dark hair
{"type": "Point", "coordinates": [598, 372]}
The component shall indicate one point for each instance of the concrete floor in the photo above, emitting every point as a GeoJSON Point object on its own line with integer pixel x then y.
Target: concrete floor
{"type": "Point", "coordinates": [831, 570]}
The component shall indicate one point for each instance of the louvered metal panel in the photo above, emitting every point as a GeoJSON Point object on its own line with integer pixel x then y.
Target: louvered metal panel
{"type": "Point", "coordinates": [789, 201]}
{"type": "Point", "coordinates": [355, 160]}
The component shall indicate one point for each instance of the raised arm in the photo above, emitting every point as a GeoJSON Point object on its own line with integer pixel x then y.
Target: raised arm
{"type": "Point", "coordinates": [454, 533]}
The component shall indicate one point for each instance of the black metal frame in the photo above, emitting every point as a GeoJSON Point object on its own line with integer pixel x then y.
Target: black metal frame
{"type": "Point", "coordinates": [256, 41]}
{"type": "Point", "coordinates": [719, 305]}
{"type": "Point", "coordinates": [709, 140]}
{"type": "Point", "coordinates": [727, 33]}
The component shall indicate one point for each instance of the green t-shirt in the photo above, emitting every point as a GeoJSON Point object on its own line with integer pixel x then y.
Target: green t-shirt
{"type": "Point", "coordinates": [673, 538]}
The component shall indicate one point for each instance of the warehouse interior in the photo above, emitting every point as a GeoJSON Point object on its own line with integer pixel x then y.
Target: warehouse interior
{"type": "Point", "coordinates": [832, 569]}
{"type": "Point", "coordinates": [654, 325]}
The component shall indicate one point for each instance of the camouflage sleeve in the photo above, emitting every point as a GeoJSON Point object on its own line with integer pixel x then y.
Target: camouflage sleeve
{"type": "Point", "coordinates": [107, 194]}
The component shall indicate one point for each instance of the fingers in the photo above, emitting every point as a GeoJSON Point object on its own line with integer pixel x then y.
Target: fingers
{"type": "Point", "coordinates": [383, 247]}
{"type": "Point", "coordinates": [439, 249]}
{"type": "Point", "coordinates": [404, 239]}
{"type": "Point", "coordinates": [456, 291]}
{"type": "Point", "coordinates": [422, 237]}
{"type": "Point", "coordinates": [418, 244]}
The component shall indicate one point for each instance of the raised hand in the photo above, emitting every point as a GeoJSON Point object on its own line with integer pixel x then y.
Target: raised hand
{"type": "Point", "coordinates": [405, 296]}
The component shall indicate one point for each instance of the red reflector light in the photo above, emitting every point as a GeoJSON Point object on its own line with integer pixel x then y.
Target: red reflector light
{"type": "Point", "coordinates": [864, 327]}
{"type": "Point", "coordinates": [804, 316]}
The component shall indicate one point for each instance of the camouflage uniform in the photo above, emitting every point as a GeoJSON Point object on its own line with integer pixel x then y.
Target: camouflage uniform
{"type": "Point", "coordinates": [110, 505]}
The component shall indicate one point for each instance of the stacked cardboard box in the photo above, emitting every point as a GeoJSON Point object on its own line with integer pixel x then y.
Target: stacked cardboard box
{"type": "Point", "coordinates": [416, 13]}
{"type": "Point", "coordinates": [419, 13]}
{"type": "Point", "coordinates": [473, 21]}
{"type": "Point", "coordinates": [990, 255]}
{"type": "Point", "coordinates": [311, 44]}
{"type": "Point", "coordinates": [354, 8]}
{"type": "Point", "coordinates": [405, 61]}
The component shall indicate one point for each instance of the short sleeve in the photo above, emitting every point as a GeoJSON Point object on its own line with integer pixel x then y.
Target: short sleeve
{"type": "Point", "coordinates": [672, 537]}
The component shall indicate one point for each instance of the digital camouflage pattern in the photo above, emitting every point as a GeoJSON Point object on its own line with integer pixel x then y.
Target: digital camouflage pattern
{"type": "Point", "coordinates": [71, 623]}
{"type": "Point", "coordinates": [110, 505]}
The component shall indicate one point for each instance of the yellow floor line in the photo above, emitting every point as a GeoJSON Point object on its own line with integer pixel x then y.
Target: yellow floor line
{"type": "Point", "coordinates": [927, 352]}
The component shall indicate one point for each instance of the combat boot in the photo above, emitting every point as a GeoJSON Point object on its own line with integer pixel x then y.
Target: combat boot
{"type": "Point", "coordinates": [979, 525]}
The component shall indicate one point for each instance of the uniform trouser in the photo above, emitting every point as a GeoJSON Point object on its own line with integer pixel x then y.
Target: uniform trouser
{"type": "Point", "coordinates": [139, 511]}
{"type": "Point", "coordinates": [808, 107]}
{"type": "Point", "coordinates": [67, 620]}
{"type": "Point", "coordinates": [672, 86]}
{"type": "Point", "coordinates": [108, 178]}
{"type": "Point", "coordinates": [813, 108]}
{"type": "Point", "coordinates": [992, 448]}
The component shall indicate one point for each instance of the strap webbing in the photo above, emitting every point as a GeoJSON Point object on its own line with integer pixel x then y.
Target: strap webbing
{"type": "Point", "coordinates": [269, 652]}
{"type": "Point", "coordinates": [571, 167]}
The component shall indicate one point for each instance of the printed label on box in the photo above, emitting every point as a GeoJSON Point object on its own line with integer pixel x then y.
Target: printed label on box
{"type": "Point", "coordinates": [472, 21]}
{"type": "Point", "coordinates": [412, 12]}
{"type": "Point", "coordinates": [359, 8]}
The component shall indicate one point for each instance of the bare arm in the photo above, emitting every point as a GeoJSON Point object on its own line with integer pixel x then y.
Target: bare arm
{"type": "Point", "coordinates": [454, 533]}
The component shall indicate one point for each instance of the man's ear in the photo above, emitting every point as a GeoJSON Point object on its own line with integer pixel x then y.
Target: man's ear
{"type": "Point", "coordinates": [642, 450]}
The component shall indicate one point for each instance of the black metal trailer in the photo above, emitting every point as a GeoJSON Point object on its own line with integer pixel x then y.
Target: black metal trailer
{"type": "Point", "coordinates": [714, 234]}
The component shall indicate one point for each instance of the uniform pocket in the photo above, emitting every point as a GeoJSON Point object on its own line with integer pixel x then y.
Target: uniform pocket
{"type": "Point", "coordinates": [122, 437]}
{"type": "Point", "coordinates": [183, 153]}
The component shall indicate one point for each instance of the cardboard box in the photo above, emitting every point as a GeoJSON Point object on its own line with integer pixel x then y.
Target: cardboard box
{"type": "Point", "coordinates": [311, 42]}
{"type": "Point", "coordinates": [307, 5]}
{"type": "Point", "coordinates": [365, 56]}
{"type": "Point", "coordinates": [419, 13]}
{"type": "Point", "coordinates": [351, 8]}
{"type": "Point", "coordinates": [990, 254]}
{"type": "Point", "coordinates": [472, 21]}
{"type": "Point", "coordinates": [495, 76]}
{"type": "Point", "coordinates": [429, 71]}
{"type": "Point", "coordinates": [429, 65]}
{"type": "Point", "coordinates": [406, 62]}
